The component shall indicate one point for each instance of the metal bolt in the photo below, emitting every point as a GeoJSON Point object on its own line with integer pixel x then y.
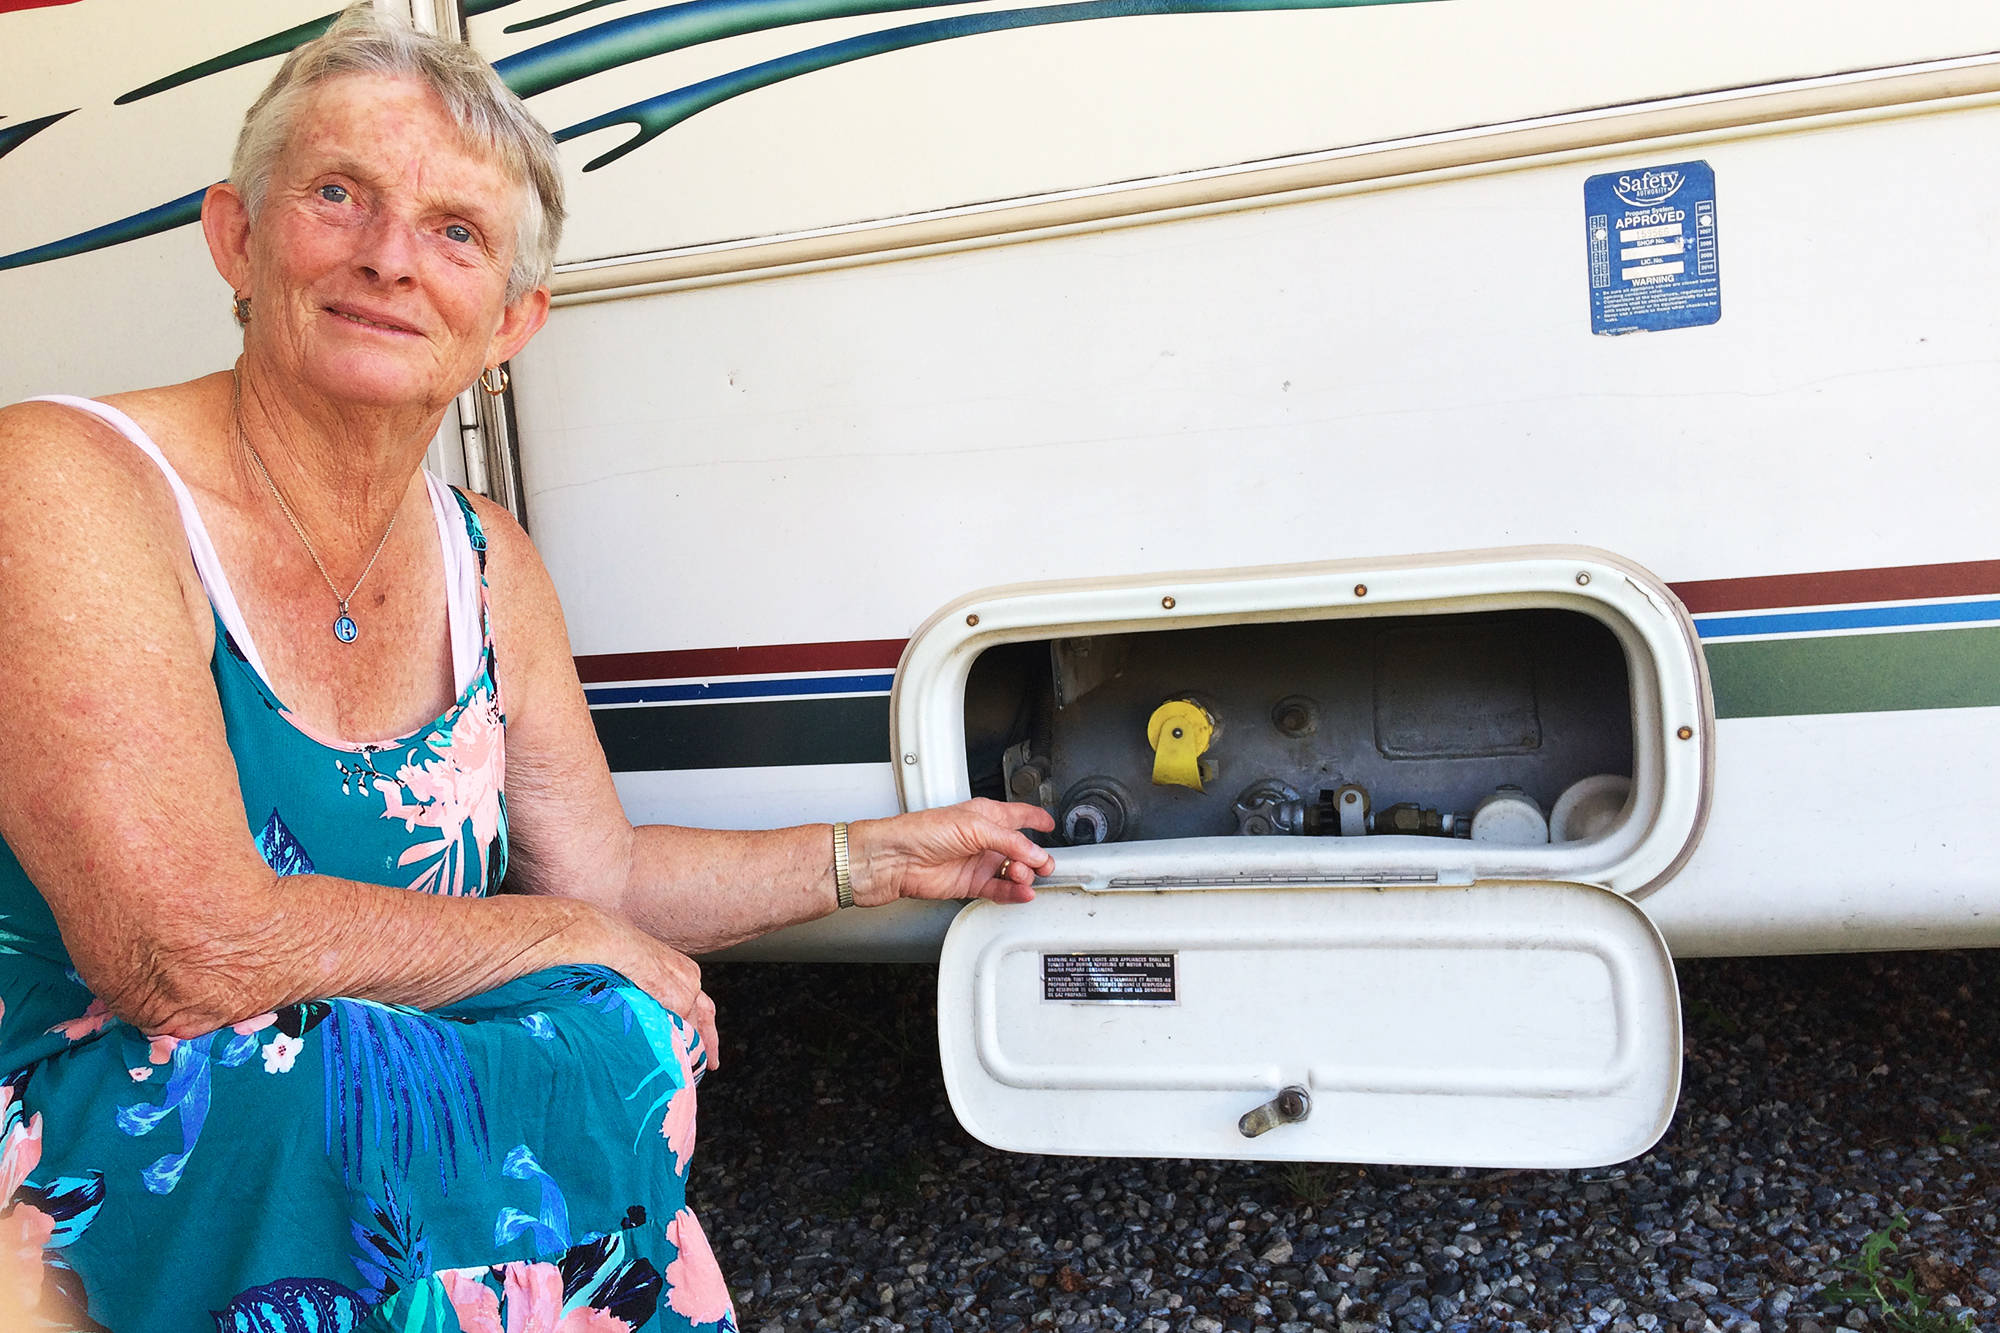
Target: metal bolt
{"type": "Point", "coordinates": [1685, 733]}
{"type": "Point", "coordinates": [1360, 590]}
{"type": "Point", "coordinates": [1292, 1103]}
{"type": "Point", "coordinates": [1167, 603]}
{"type": "Point", "coordinates": [1583, 580]}
{"type": "Point", "coordinates": [972, 619]}
{"type": "Point", "coordinates": [1178, 733]}
{"type": "Point", "coordinates": [909, 759]}
{"type": "Point", "coordinates": [1027, 781]}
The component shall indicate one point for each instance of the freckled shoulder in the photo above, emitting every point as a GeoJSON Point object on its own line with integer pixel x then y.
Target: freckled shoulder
{"type": "Point", "coordinates": [61, 461]}
{"type": "Point", "coordinates": [86, 518]}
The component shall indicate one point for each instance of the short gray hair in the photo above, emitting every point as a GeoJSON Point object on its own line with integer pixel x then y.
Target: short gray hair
{"type": "Point", "coordinates": [364, 41]}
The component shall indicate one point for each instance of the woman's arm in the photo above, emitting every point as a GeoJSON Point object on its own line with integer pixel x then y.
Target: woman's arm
{"type": "Point", "coordinates": [121, 800]}
{"type": "Point", "coordinates": [697, 889]}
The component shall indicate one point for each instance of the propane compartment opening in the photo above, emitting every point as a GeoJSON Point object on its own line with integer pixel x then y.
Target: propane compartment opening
{"type": "Point", "coordinates": [1512, 728]}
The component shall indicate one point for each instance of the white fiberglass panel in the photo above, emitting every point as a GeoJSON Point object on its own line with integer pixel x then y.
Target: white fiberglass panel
{"type": "Point", "coordinates": [1570, 1056]}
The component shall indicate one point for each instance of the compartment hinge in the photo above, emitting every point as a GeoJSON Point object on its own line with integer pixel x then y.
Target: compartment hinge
{"type": "Point", "coordinates": [1373, 879]}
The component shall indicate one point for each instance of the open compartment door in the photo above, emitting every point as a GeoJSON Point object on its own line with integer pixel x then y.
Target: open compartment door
{"type": "Point", "coordinates": [1530, 1024]}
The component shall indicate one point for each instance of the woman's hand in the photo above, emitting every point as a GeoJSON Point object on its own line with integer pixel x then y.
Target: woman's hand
{"type": "Point", "coordinates": [971, 850]}
{"type": "Point", "coordinates": [669, 976]}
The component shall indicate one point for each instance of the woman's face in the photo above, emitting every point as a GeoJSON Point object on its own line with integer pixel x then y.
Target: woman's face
{"type": "Point", "coordinates": [377, 267]}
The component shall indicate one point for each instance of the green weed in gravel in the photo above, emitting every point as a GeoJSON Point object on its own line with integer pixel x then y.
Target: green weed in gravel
{"type": "Point", "coordinates": [1872, 1281]}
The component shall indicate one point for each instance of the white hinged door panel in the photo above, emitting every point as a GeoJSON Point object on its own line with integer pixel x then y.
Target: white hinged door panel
{"type": "Point", "coordinates": [1496, 1024]}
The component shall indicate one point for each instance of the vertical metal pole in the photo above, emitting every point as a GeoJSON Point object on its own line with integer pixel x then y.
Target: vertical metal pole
{"type": "Point", "coordinates": [485, 422]}
{"type": "Point", "coordinates": [499, 461]}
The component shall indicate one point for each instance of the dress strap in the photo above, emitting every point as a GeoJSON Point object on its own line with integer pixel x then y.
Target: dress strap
{"type": "Point", "coordinates": [464, 546]}
{"type": "Point", "coordinates": [207, 565]}
{"type": "Point", "coordinates": [475, 531]}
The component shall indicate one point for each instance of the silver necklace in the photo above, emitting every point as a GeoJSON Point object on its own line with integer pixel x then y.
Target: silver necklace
{"type": "Point", "coordinates": [344, 628]}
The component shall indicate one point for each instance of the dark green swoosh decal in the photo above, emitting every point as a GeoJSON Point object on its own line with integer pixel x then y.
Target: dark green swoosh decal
{"type": "Point", "coordinates": [545, 20]}
{"type": "Point", "coordinates": [13, 136]}
{"type": "Point", "coordinates": [623, 41]}
{"type": "Point", "coordinates": [277, 44]}
{"type": "Point", "coordinates": [656, 115]}
{"type": "Point", "coordinates": [152, 222]}
{"type": "Point", "coordinates": [675, 28]}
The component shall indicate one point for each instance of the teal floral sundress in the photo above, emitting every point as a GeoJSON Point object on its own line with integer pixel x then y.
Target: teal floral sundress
{"type": "Point", "coordinates": [516, 1161]}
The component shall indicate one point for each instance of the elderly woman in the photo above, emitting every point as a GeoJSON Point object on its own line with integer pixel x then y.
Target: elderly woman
{"type": "Point", "coordinates": [278, 711]}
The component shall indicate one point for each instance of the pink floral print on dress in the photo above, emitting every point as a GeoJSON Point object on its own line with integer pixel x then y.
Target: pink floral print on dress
{"type": "Point", "coordinates": [695, 1289]}
{"type": "Point", "coordinates": [461, 785]}
{"type": "Point", "coordinates": [25, 1230]}
{"type": "Point", "coordinates": [89, 1024]}
{"type": "Point", "coordinates": [533, 1302]}
{"type": "Point", "coordinates": [475, 1303]}
{"type": "Point", "coordinates": [21, 1149]}
{"type": "Point", "coordinates": [678, 1126]}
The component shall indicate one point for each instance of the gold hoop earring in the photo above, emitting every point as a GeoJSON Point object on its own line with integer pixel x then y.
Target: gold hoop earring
{"type": "Point", "coordinates": [241, 309]}
{"type": "Point", "coordinates": [493, 379]}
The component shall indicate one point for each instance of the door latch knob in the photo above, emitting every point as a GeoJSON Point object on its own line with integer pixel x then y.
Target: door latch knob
{"type": "Point", "coordinates": [1293, 1104]}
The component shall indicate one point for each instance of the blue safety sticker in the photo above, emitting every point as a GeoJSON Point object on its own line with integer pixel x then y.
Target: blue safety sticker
{"type": "Point", "coordinates": [1653, 261]}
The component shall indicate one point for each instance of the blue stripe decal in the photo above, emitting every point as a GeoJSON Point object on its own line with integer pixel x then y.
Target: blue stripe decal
{"type": "Point", "coordinates": [740, 689]}
{"type": "Point", "coordinates": [1865, 617]}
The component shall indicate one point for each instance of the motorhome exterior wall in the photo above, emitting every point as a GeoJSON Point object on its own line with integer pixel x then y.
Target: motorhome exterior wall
{"type": "Point", "coordinates": [1187, 292]}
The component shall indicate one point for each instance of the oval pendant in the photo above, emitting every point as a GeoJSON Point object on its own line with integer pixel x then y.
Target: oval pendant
{"type": "Point", "coordinates": [345, 629]}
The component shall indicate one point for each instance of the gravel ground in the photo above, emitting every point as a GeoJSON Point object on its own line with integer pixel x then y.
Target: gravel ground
{"type": "Point", "coordinates": [1823, 1098]}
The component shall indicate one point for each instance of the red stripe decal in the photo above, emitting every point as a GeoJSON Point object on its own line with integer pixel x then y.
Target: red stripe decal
{"type": "Point", "coordinates": [761, 660]}
{"type": "Point", "coordinates": [9, 5]}
{"type": "Point", "coordinates": [1908, 583]}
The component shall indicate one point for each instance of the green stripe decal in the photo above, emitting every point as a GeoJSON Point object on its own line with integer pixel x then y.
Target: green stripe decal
{"type": "Point", "coordinates": [1856, 673]}
{"type": "Point", "coordinates": [1839, 673]}
{"type": "Point", "coordinates": [745, 735]}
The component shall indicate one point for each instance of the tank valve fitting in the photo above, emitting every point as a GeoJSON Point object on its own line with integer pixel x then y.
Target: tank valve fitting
{"type": "Point", "coordinates": [1094, 811]}
{"type": "Point", "coordinates": [1179, 732]}
{"type": "Point", "coordinates": [1269, 807]}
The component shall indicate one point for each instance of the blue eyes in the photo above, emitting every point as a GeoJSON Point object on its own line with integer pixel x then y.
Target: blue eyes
{"type": "Point", "coordinates": [456, 232]}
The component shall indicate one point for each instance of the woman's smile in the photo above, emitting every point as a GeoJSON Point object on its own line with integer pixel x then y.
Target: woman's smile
{"type": "Point", "coordinates": [383, 323]}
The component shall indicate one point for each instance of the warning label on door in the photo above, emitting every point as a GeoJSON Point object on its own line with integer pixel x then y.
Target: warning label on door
{"type": "Point", "coordinates": [1111, 978]}
{"type": "Point", "coordinates": [1653, 257]}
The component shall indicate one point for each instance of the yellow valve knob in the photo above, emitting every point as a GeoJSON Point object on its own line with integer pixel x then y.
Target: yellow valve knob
{"type": "Point", "coordinates": [1179, 733]}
